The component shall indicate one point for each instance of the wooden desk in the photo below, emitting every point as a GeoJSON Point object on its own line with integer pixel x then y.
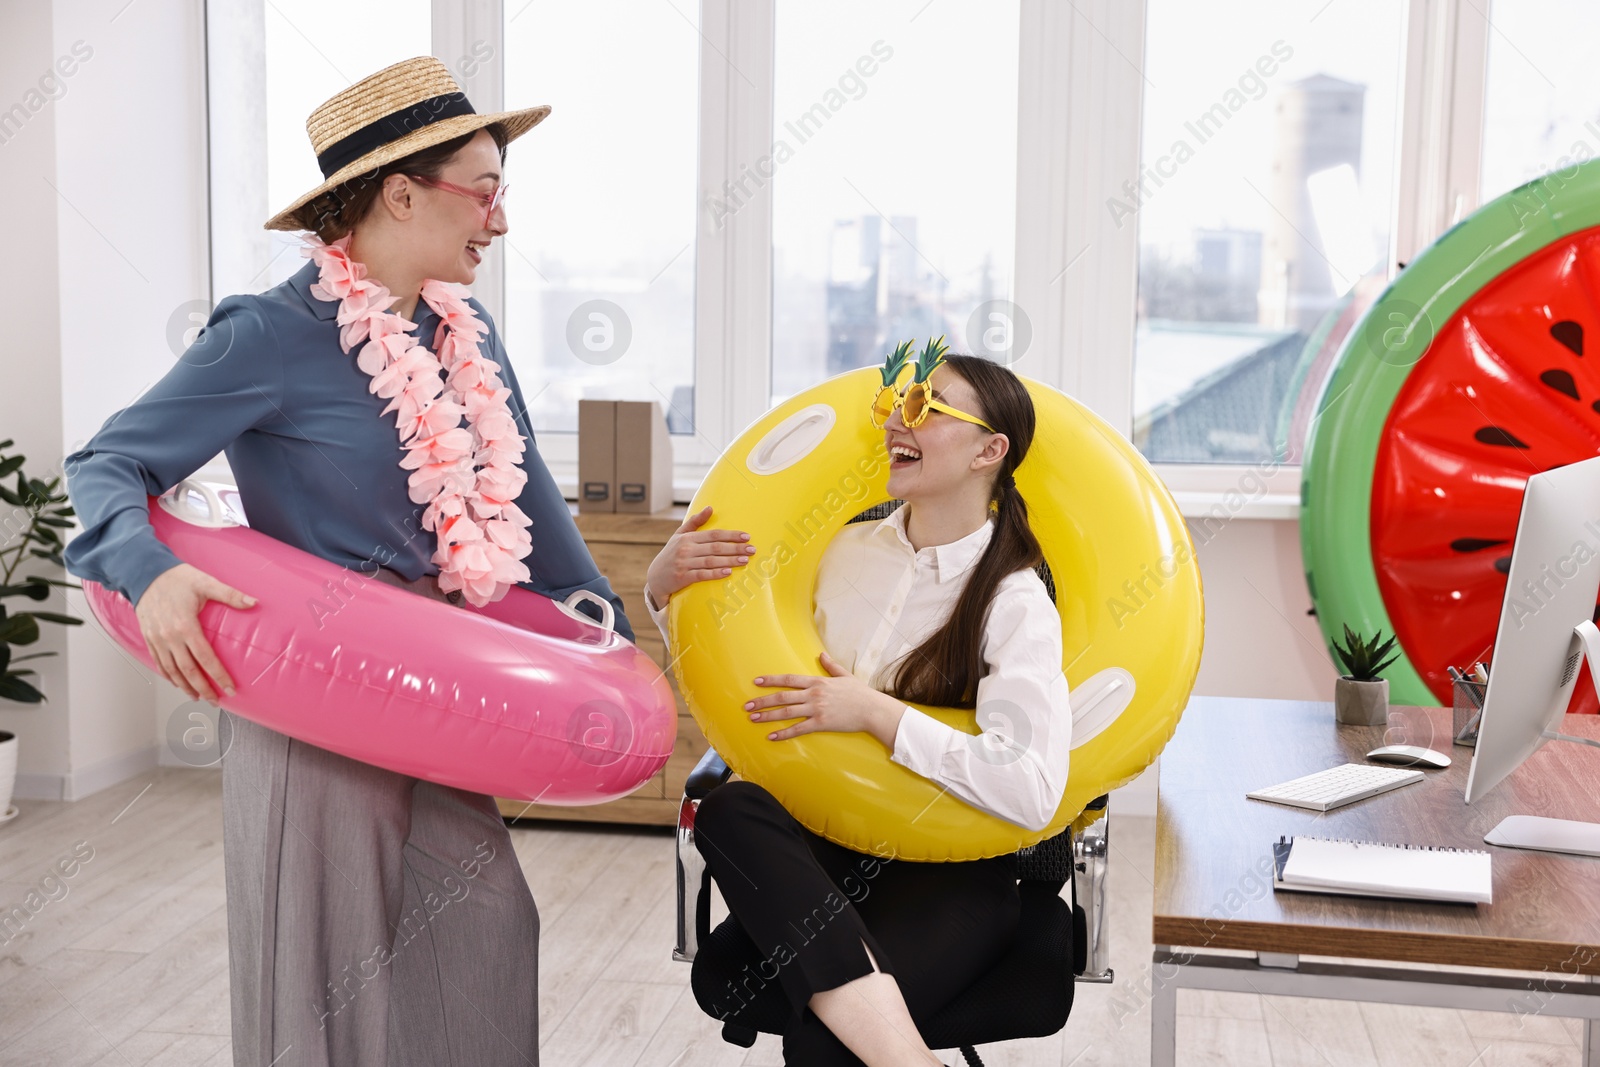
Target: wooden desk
{"type": "Point", "coordinates": [1213, 871]}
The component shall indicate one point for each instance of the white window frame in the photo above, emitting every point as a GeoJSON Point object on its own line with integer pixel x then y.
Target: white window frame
{"type": "Point", "coordinates": [462, 28]}
{"type": "Point", "coordinates": [1080, 114]}
{"type": "Point", "coordinates": [1440, 146]}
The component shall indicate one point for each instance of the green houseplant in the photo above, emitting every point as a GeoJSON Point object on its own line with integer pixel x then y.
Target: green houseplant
{"type": "Point", "coordinates": [1360, 696]}
{"type": "Point", "coordinates": [35, 514]}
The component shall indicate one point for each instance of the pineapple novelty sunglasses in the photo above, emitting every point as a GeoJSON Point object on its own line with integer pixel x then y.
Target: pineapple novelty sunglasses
{"type": "Point", "coordinates": [916, 400]}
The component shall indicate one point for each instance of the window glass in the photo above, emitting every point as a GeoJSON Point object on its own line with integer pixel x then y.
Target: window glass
{"type": "Point", "coordinates": [893, 173]}
{"type": "Point", "coordinates": [314, 50]}
{"type": "Point", "coordinates": [600, 257]}
{"type": "Point", "coordinates": [1263, 204]}
{"type": "Point", "coordinates": [1541, 102]}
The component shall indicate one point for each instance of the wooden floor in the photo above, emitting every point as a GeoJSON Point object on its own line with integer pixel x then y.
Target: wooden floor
{"type": "Point", "coordinates": [128, 964]}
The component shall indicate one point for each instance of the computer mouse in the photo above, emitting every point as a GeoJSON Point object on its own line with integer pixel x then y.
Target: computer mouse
{"type": "Point", "coordinates": [1409, 756]}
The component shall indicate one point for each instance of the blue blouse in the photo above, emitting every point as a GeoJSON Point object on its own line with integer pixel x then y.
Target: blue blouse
{"type": "Point", "coordinates": [267, 383]}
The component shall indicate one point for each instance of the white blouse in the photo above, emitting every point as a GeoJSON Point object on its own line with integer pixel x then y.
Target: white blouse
{"type": "Point", "coordinates": [878, 598]}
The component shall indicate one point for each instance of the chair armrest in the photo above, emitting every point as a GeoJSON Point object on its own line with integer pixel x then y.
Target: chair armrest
{"type": "Point", "coordinates": [1091, 855]}
{"type": "Point", "coordinates": [693, 882]}
{"type": "Point", "coordinates": [693, 886]}
{"type": "Point", "coordinates": [709, 773]}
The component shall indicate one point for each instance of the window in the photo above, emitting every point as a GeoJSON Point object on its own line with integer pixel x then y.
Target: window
{"type": "Point", "coordinates": [1263, 205]}
{"type": "Point", "coordinates": [600, 258]}
{"type": "Point", "coordinates": [893, 171]}
{"type": "Point", "coordinates": [1541, 103]}
{"type": "Point", "coordinates": [314, 50]}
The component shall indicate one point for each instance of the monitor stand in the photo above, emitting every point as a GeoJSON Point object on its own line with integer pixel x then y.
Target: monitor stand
{"type": "Point", "coordinates": [1559, 835]}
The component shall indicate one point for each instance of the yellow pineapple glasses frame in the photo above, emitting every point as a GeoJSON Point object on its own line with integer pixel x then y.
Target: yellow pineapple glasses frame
{"type": "Point", "coordinates": [916, 399]}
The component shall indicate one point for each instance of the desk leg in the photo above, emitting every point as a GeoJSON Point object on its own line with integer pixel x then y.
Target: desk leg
{"type": "Point", "coordinates": [1591, 1044]}
{"type": "Point", "coordinates": [1164, 1019]}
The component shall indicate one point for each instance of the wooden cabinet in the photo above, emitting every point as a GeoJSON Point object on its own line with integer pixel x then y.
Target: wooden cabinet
{"type": "Point", "coordinates": [623, 546]}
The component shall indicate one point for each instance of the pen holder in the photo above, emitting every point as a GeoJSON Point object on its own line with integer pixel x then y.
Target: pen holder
{"type": "Point", "coordinates": [1464, 712]}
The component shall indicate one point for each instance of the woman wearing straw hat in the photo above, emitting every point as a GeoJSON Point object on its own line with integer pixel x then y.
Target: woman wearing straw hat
{"type": "Point", "coordinates": [369, 412]}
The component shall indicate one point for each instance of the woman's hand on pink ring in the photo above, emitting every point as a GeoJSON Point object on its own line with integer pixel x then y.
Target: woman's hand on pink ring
{"type": "Point", "coordinates": [169, 620]}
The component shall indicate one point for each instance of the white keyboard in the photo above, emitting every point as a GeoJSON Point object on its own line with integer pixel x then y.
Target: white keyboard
{"type": "Point", "coordinates": [1338, 785]}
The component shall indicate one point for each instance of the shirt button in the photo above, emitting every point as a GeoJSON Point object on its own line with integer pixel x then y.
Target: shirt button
{"type": "Point", "coordinates": [454, 596]}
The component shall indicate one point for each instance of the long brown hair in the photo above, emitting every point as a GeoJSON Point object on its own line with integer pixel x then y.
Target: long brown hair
{"type": "Point", "coordinates": [944, 670]}
{"type": "Point", "coordinates": [336, 212]}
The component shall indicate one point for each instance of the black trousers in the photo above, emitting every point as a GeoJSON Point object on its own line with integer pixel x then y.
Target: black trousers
{"type": "Point", "coordinates": [812, 910]}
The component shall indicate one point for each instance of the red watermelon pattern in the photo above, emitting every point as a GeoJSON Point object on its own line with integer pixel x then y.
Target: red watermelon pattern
{"type": "Point", "coordinates": [1509, 388]}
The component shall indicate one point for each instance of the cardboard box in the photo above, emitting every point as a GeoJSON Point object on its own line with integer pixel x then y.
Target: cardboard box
{"type": "Point", "coordinates": [644, 458]}
{"type": "Point", "coordinates": [597, 455]}
{"type": "Point", "coordinates": [624, 457]}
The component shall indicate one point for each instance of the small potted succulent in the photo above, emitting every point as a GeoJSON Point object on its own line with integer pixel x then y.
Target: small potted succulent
{"type": "Point", "coordinates": [32, 522]}
{"type": "Point", "coordinates": [1360, 697]}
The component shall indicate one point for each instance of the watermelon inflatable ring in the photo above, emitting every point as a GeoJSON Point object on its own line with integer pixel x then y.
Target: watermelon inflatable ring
{"type": "Point", "coordinates": [1475, 369]}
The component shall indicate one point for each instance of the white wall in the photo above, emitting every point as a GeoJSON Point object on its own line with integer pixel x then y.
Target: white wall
{"type": "Point", "coordinates": [1260, 641]}
{"type": "Point", "coordinates": [114, 249]}
{"type": "Point", "coordinates": [30, 404]}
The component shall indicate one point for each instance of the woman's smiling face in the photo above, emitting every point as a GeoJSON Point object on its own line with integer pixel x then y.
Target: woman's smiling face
{"type": "Point", "coordinates": [449, 230]}
{"type": "Point", "coordinates": [947, 448]}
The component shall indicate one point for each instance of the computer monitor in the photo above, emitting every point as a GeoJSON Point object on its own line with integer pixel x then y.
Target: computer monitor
{"type": "Point", "coordinates": [1546, 631]}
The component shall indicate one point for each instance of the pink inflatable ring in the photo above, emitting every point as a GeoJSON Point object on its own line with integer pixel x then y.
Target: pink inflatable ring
{"type": "Point", "coordinates": [525, 698]}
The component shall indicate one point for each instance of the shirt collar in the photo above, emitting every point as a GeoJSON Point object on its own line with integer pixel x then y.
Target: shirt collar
{"type": "Point", "coordinates": [301, 280]}
{"type": "Point", "coordinates": [950, 560]}
{"type": "Point", "coordinates": [327, 310]}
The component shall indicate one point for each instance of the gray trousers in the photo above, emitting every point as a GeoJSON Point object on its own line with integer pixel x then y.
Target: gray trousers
{"type": "Point", "coordinates": [374, 919]}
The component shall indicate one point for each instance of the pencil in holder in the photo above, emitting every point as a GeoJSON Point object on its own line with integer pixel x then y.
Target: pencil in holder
{"type": "Point", "coordinates": [1466, 711]}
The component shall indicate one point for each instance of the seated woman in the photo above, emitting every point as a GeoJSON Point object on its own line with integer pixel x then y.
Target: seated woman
{"type": "Point", "coordinates": [939, 603]}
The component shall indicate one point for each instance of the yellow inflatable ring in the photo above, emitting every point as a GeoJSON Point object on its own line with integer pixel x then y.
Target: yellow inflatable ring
{"type": "Point", "coordinates": [1127, 589]}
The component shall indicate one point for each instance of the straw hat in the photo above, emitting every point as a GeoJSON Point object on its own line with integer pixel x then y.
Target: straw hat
{"type": "Point", "coordinates": [401, 109]}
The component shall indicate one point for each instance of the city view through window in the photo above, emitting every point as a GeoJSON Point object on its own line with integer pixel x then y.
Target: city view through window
{"type": "Point", "coordinates": [1263, 205]}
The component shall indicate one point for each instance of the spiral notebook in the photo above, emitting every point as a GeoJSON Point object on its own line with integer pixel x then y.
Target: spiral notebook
{"type": "Point", "coordinates": [1372, 869]}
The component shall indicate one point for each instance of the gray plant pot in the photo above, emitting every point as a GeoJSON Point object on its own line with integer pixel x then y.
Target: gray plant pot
{"type": "Point", "coordinates": [1361, 703]}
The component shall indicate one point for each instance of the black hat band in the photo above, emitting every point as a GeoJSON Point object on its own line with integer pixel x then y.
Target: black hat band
{"type": "Point", "coordinates": [390, 128]}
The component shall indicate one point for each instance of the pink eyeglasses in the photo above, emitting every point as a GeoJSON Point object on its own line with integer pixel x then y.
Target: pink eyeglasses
{"type": "Point", "coordinates": [490, 201]}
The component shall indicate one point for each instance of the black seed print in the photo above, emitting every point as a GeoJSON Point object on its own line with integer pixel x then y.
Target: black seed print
{"type": "Point", "coordinates": [1494, 435]}
{"type": "Point", "coordinates": [1561, 382]}
{"type": "Point", "coordinates": [1473, 544]}
{"type": "Point", "coordinates": [1570, 334]}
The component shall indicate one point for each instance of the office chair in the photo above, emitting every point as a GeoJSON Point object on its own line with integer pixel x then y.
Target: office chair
{"type": "Point", "coordinates": [1027, 994]}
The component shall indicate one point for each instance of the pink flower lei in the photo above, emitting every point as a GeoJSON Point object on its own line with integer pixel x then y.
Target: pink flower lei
{"type": "Point", "coordinates": [469, 477]}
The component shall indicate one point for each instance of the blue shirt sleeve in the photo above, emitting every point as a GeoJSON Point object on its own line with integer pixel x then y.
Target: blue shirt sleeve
{"type": "Point", "coordinates": [560, 563]}
{"type": "Point", "coordinates": [228, 381]}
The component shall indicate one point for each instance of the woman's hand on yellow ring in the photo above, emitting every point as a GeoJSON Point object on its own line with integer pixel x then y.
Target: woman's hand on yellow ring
{"type": "Point", "coordinates": [695, 555]}
{"type": "Point", "coordinates": [838, 702]}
